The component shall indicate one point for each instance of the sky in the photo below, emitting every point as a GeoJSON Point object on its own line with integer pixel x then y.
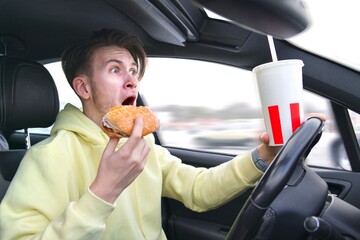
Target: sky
{"type": "Point", "coordinates": [334, 31]}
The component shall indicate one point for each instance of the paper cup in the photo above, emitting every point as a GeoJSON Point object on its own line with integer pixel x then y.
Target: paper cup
{"type": "Point", "coordinates": [280, 88]}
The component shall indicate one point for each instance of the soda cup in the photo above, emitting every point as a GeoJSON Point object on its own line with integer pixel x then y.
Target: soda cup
{"type": "Point", "coordinates": [281, 88]}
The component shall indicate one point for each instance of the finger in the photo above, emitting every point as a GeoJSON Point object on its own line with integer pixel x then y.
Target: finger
{"type": "Point", "coordinates": [145, 150]}
{"type": "Point", "coordinates": [111, 146]}
{"type": "Point", "coordinates": [142, 148]}
{"type": "Point", "coordinates": [323, 117]}
{"type": "Point", "coordinates": [136, 135]}
{"type": "Point", "coordinates": [141, 152]}
{"type": "Point", "coordinates": [264, 138]}
{"type": "Point", "coordinates": [138, 127]}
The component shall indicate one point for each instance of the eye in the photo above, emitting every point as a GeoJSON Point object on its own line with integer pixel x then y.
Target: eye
{"type": "Point", "coordinates": [133, 72]}
{"type": "Point", "coordinates": [115, 70]}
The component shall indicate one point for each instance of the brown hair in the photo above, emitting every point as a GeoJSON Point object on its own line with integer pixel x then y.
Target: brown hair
{"type": "Point", "coordinates": [76, 59]}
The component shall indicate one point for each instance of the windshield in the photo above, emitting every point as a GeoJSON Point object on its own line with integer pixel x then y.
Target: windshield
{"type": "Point", "coordinates": [334, 32]}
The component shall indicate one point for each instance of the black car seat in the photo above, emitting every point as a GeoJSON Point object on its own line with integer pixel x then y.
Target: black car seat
{"type": "Point", "coordinates": [28, 99]}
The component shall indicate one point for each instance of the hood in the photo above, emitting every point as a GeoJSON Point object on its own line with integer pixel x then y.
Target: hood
{"type": "Point", "coordinates": [74, 120]}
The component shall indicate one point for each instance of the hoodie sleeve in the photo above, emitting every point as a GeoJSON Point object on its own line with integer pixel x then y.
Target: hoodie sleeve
{"type": "Point", "coordinates": [40, 192]}
{"type": "Point", "coordinates": [203, 189]}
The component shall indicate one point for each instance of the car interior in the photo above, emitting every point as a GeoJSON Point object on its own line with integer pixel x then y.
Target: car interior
{"type": "Point", "coordinates": [292, 200]}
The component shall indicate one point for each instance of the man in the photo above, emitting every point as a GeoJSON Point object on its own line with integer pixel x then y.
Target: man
{"type": "Point", "coordinates": [79, 184]}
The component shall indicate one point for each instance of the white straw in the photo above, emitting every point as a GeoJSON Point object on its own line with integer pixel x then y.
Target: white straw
{"type": "Point", "coordinates": [272, 48]}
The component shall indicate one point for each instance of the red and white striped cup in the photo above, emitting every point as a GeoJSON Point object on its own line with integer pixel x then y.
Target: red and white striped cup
{"type": "Point", "coordinates": [280, 88]}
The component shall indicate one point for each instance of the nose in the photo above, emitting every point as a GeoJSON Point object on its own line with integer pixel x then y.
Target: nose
{"type": "Point", "coordinates": [131, 81]}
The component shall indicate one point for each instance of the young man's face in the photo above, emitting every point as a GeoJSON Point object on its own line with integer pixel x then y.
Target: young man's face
{"type": "Point", "coordinates": [114, 79]}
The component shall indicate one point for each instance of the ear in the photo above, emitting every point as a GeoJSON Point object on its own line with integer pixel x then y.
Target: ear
{"type": "Point", "coordinates": [82, 87]}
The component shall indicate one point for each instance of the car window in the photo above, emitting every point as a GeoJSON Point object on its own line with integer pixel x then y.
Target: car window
{"type": "Point", "coordinates": [212, 107]}
{"type": "Point", "coordinates": [66, 94]}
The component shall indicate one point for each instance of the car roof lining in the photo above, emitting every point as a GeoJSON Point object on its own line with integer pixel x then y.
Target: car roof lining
{"type": "Point", "coordinates": [152, 26]}
{"type": "Point", "coordinates": [157, 25]}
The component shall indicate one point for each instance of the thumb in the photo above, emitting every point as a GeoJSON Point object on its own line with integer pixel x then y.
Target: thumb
{"type": "Point", "coordinates": [264, 138]}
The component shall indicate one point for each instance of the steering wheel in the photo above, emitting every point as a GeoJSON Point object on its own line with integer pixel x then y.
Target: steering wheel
{"type": "Point", "coordinates": [275, 179]}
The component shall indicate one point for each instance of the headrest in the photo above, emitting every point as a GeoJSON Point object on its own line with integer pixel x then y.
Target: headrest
{"type": "Point", "coordinates": [28, 94]}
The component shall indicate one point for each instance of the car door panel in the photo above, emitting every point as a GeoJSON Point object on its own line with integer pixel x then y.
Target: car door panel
{"type": "Point", "coordinates": [214, 224]}
{"type": "Point", "coordinates": [345, 184]}
{"type": "Point", "coordinates": [185, 228]}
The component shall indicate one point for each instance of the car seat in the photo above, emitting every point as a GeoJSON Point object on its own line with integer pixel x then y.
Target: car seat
{"type": "Point", "coordinates": [3, 143]}
{"type": "Point", "coordinates": [28, 99]}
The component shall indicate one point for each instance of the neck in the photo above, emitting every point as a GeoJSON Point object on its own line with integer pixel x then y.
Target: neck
{"type": "Point", "coordinates": [93, 113]}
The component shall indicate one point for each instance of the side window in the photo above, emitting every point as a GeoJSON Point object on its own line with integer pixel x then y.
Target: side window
{"type": "Point", "coordinates": [203, 105]}
{"type": "Point", "coordinates": [66, 94]}
{"type": "Point", "coordinates": [212, 107]}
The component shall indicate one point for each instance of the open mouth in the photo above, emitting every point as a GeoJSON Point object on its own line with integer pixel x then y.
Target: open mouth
{"type": "Point", "coordinates": [129, 101]}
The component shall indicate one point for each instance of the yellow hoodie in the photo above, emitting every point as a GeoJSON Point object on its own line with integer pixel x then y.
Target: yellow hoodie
{"type": "Point", "coordinates": [49, 197]}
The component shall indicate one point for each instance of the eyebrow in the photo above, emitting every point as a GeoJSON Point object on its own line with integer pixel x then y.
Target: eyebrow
{"type": "Point", "coordinates": [120, 62]}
